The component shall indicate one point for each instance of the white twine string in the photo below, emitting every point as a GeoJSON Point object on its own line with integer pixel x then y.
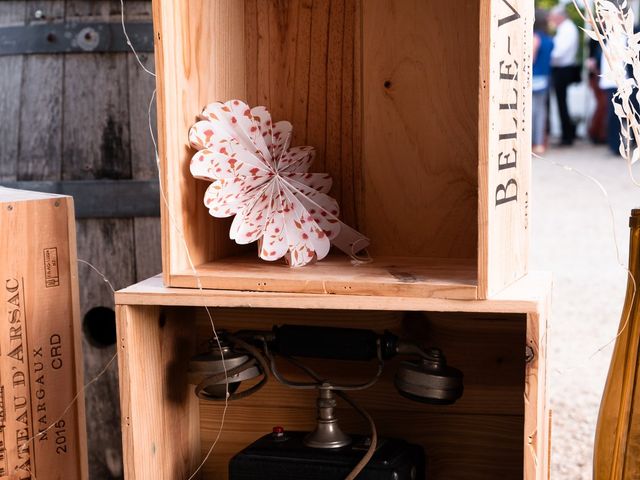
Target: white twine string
{"type": "Point", "coordinates": [183, 240]}
{"type": "Point", "coordinates": [104, 279]}
{"type": "Point", "coordinates": [126, 35]}
{"type": "Point", "coordinates": [174, 224]}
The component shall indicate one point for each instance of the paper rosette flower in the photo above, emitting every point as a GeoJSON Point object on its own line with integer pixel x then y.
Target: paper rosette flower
{"type": "Point", "coordinates": [264, 182]}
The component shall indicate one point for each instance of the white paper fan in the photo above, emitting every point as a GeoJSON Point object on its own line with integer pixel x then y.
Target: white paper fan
{"type": "Point", "coordinates": [262, 181]}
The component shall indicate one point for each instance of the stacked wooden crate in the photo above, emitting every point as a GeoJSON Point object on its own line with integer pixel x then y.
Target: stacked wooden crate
{"type": "Point", "coordinates": [42, 426]}
{"type": "Point", "coordinates": [420, 114]}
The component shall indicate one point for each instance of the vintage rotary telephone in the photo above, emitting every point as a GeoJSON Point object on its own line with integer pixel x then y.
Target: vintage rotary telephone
{"type": "Point", "coordinates": [249, 355]}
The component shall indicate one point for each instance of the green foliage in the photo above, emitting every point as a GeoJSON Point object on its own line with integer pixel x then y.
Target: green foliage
{"type": "Point", "coordinates": [546, 4]}
{"type": "Point", "coordinates": [574, 15]}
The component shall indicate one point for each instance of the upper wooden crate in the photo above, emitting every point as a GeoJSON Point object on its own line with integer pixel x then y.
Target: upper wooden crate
{"type": "Point", "coordinates": [419, 111]}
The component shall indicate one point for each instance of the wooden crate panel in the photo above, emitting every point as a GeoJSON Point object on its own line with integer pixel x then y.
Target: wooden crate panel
{"type": "Point", "coordinates": [41, 359]}
{"type": "Point", "coordinates": [458, 447]}
{"type": "Point", "coordinates": [389, 277]}
{"type": "Point", "coordinates": [505, 142]}
{"type": "Point", "coordinates": [488, 349]}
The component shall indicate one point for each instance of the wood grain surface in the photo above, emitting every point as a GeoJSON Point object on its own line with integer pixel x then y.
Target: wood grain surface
{"type": "Point", "coordinates": [525, 295]}
{"type": "Point", "coordinates": [504, 147]}
{"type": "Point", "coordinates": [405, 103]}
{"type": "Point", "coordinates": [337, 274]}
{"type": "Point", "coordinates": [11, 13]}
{"type": "Point", "coordinates": [79, 117]}
{"type": "Point", "coordinates": [420, 111]}
{"type": "Point", "coordinates": [486, 435]}
{"type": "Point", "coordinates": [41, 364]}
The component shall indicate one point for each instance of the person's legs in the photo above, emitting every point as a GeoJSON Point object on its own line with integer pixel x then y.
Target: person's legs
{"type": "Point", "coordinates": [561, 79]}
{"type": "Point", "coordinates": [539, 120]}
{"type": "Point", "coordinates": [613, 124]}
{"type": "Point", "coordinates": [598, 124]}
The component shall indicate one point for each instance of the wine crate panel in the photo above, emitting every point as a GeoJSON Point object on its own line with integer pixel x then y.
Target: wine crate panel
{"type": "Point", "coordinates": [40, 353]}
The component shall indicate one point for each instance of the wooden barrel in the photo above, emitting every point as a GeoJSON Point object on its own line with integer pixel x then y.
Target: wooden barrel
{"type": "Point", "coordinates": [74, 106]}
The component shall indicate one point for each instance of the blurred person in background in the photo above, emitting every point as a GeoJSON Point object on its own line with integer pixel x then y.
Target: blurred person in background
{"type": "Point", "coordinates": [608, 85]}
{"type": "Point", "coordinates": [598, 124]}
{"type": "Point", "coordinates": [564, 70]}
{"type": "Point", "coordinates": [542, 47]}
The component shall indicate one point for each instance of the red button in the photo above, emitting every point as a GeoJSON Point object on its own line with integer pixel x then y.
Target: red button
{"type": "Point", "coordinates": [278, 431]}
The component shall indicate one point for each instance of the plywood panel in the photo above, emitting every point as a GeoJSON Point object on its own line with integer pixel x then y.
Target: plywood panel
{"type": "Point", "coordinates": [420, 135]}
{"type": "Point", "coordinates": [160, 420]}
{"type": "Point", "coordinates": [337, 274]}
{"type": "Point", "coordinates": [201, 60]}
{"type": "Point", "coordinates": [459, 447]}
{"type": "Point", "coordinates": [489, 349]}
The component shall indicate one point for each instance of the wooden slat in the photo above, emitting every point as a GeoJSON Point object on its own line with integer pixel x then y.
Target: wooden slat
{"type": "Point", "coordinates": [458, 447]}
{"type": "Point", "coordinates": [537, 431]}
{"type": "Point", "coordinates": [522, 296]}
{"type": "Point", "coordinates": [384, 276]}
{"type": "Point", "coordinates": [318, 80]}
{"type": "Point", "coordinates": [211, 68]}
{"type": "Point", "coordinates": [40, 156]}
{"type": "Point", "coordinates": [11, 13]}
{"type": "Point", "coordinates": [503, 128]}
{"type": "Point", "coordinates": [148, 258]}
{"type": "Point", "coordinates": [96, 138]}
{"type": "Point", "coordinates": [97, 145]}
{"type": "Point", "coordinates": [159, 417]}
{"type": "Point", "coordinates": [419, 113]}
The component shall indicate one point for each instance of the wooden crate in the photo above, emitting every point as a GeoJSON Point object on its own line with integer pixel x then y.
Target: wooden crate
{"type": "Point", "coordinates": [499, 429]}
{"type": "Point", "coordinates": [419, 112]}
{"type": "Point", "coordinates": [40, 354]}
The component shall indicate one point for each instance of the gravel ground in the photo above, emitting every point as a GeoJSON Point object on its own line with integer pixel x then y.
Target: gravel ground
{"type": "Point", "coordinates": [572, 236]}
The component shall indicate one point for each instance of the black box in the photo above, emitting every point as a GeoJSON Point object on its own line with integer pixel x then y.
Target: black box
{"type": "Point", "coordinates": [287, 458]}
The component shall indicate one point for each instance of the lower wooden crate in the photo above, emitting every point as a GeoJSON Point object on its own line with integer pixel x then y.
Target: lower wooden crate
{"type": "Point", "coordinates": [498, 429]}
